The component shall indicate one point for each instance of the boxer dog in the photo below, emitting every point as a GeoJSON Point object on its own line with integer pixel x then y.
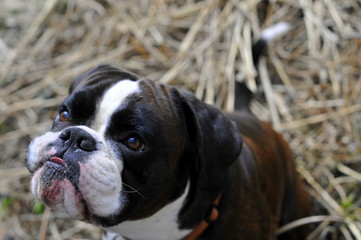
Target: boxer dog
{"type": "Point", "coordinates": [145, 160]}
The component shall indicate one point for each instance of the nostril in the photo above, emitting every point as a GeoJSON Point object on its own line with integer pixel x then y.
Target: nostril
{"type": "Point", "coordinates": [65, 135]}
{"type": "Point", "coordinates": [87, 144]}
{"type": "Point", "coordinates": [76, 138]}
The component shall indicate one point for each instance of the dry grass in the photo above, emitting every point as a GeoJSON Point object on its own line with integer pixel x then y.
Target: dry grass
{"type": "Point", "coordinates": [314, 74]}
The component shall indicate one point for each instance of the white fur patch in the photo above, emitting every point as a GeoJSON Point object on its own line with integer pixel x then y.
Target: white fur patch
{"type": "Point", "coordinates": [111, 100]}
{"type": "Point", "coordinates": [163, 225]}
{"type": "Point", "coordinates": [36, 149]}
{"type": "Point", "coordinates": [100, 184]}
{"type": "Point", "coordinates": [269, 34]}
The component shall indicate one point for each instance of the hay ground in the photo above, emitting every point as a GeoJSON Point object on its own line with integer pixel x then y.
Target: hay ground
{"type": "Point", "coordinates": [308, 85]}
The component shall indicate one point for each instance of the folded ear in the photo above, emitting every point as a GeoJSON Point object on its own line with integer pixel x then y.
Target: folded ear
{"type": "Point", "coordinates": [101, 73]}
{"type": "Point", "coordinates": [216, 144]}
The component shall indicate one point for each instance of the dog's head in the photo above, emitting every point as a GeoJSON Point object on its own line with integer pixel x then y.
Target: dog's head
{"type": "Point", "coordinates": [122, 147]}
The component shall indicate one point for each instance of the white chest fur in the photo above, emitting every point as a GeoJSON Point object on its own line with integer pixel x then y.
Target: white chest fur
{"type": "Point", "coordinates": [162, 225]}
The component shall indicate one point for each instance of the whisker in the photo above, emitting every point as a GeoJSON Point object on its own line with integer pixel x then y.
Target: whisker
{"type": "Point", "coordinates": [32, 205]}
{"type": "Point", "coordinates": [133, 190]}
{"type": "Point", "coordinates": [21, 155]}
{"type": "Point", "coordinates": [27, 138]}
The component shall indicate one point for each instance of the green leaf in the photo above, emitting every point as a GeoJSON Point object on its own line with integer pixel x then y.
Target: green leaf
{"type": "Point", "coordinates": [6, 202]}
{"type": "Point", "coordinates": [39, 208]}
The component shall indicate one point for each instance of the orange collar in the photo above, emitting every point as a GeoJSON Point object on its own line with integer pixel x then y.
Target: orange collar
{"type": "Point", "coordinates": [203, 225]}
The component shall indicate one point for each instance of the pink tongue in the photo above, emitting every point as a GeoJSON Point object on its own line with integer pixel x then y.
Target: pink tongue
{"type": "Point", "coordinates": [57, 160]}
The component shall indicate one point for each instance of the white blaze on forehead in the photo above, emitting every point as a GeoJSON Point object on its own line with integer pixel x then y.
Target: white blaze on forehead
{"type": "Point", "coordinates": [111, 100]}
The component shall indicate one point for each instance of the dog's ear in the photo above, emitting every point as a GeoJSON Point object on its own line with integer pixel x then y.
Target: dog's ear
{"type": "Point", "coordinates": [101, 73]}
{"type": "Point", "coordinates": [215, 145]}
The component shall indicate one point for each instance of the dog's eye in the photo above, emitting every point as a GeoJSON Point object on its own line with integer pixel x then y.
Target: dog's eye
{"type": "Point", "coordinates": [64, 116]}
{"type": "Point", "coordinates": [134, 143]}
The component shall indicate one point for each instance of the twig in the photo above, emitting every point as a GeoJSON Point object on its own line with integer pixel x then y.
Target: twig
{"type": "Point", "coordinates": [322, 117]}
{"type": "Point", "coordinates": [48, 7]}
{"type": "Point", "coordinates": [308, 220]}
{"type": "Point", "coordinates": [266, 83]}
{"type": "Point", "coordinates": [44, 224]}
{"type": "Point", "coordinates": [348, 171]}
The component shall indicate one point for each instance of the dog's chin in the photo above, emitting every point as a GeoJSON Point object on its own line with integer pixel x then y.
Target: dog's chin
{"type": "Point", "coordinates": [96, 191]}
{"type": "Point", "coordinates": [59, 194]}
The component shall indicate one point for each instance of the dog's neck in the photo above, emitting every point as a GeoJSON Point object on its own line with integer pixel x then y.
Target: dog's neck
{"type": "Point", "coordinates": [163, 225]}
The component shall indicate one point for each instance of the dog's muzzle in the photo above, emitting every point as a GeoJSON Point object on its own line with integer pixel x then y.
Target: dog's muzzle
{"type": "Point", "coordinates": [73, 172]}
{"type": "Point", "coordinates": [73, 145]}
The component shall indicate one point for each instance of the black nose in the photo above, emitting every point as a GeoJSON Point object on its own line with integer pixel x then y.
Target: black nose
{"type": "Point", "coordinates": [79, 139]}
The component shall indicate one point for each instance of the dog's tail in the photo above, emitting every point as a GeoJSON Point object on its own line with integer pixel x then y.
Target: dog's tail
{"type": "Point", "coordinates": [243, 95]}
